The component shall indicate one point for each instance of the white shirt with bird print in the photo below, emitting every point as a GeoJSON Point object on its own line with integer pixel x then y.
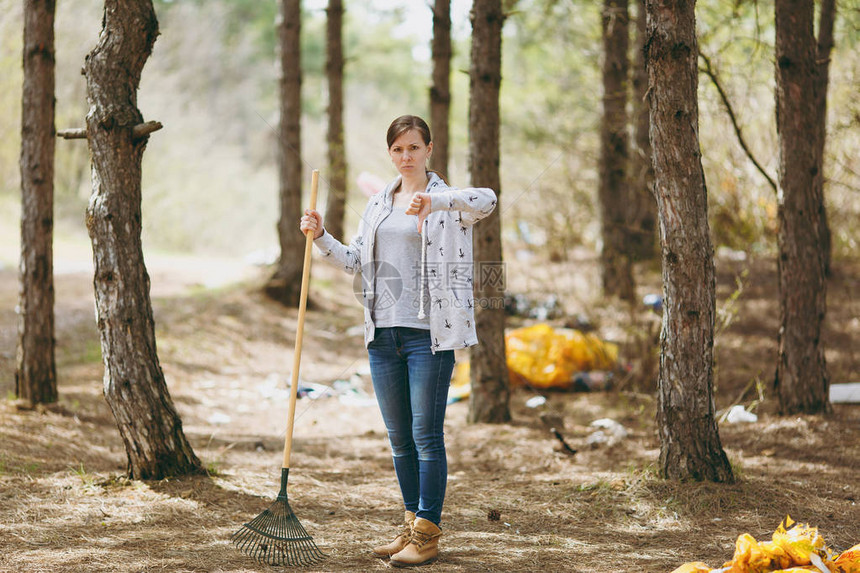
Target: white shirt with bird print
{"type": "Point", "coordinates": [448, 270]}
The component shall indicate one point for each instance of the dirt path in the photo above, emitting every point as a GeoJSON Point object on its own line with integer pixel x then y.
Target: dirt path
{"type": "Point", "coordinates": [226, 352]}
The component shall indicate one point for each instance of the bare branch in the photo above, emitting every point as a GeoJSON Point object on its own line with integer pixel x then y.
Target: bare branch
{"type": "Point", "coordinates": [141, 130]}
{"type": "Point", "coordinates": [709, 71]}
{"type": "Point", "coordinates": [73, 133]}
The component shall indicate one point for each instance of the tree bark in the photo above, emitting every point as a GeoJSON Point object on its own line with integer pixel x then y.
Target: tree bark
{"type": "Point", "coordinates": [490, 397]}
{"type": "Point", "coordinates": [689, 440]}
{"type": "Point", "coordinates": [440, 91]}
{"type": "Point", "coordinates": [285, 283]}
{"type": "Point", "coordinates": [134, 385]}
{"type": "Point", "coordinates": [336, 203]}
{"type": "Point", "coordinates": [801, 375]}
{"type": "Point", "coordinates": [826, 20]}
{"type": "Point", "coordinates": [614, 190]}
{"type": "Point", "coordinates": [36, 372]}
{"type": "Point", "coordinates": [642, 238]}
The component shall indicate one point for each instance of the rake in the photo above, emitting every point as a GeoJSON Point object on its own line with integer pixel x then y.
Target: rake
{"type": "Point", "coordinates": [276, 536]}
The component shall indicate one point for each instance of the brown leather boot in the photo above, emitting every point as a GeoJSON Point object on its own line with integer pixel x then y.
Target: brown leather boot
{"type": "Point", "coordinates": [423, 547]}
{"type": "Point", "coordinates": [401, 541]}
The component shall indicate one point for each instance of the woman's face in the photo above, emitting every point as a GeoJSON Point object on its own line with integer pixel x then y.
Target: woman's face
{"type": "Point", "coordinates": [409, 153]}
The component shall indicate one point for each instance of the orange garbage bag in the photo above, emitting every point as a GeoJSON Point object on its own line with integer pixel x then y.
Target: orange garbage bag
{"type": "Point", "coordinates": [848, 561]}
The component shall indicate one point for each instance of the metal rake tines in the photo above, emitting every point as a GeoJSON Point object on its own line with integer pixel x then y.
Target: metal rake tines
{"type": "Point", "coordinates": [276, 537]}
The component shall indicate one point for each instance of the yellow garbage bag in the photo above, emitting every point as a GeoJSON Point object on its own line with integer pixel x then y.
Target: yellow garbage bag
{"type": "Point", "coordinates": [800, 541]}
{"type": "Point", "coordinates": [461, 384]}
{"type": "Point", "coordinates": [795, 548]}
{"type": "Point", "coordinates": [548, 358]}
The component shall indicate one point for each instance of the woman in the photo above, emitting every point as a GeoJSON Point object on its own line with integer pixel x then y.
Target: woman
{"type": "Point", "coordinates": [414, 253]}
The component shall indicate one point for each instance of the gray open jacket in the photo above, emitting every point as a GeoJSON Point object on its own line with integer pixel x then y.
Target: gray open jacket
{"type": "Point", "coordinates": [446, 250]}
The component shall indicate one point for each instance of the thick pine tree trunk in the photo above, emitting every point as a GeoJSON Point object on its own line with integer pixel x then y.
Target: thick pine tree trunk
{"type": "Point", "coordinates": [336, 203]}
{"type": "Point", "coordinates": [490, 389]}
{"type": "Point", "coordinates": [689, 440]}
{"type": "Point", "coordinates": [134, 385]}
{"type": "Point", "coordinates": [642, 238]}
{"type": "Point", "coordinates": [614, 190]}
{"type": "Point", "coordinates": [285, 283]}
{"type": "Point", "coordinates": [826, 20]}
{"type": "Point", "coordinates": [36, 373]}
{"type": "Point", "coordinates": [801, 374]}
{"type": "Point", "coordinates": [440, 91]}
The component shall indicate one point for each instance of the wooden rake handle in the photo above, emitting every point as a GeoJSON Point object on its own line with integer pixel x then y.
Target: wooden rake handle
{"type": "Point", "coordinates": [303, 303]}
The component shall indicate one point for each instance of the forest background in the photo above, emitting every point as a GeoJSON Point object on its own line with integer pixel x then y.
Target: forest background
{"type": "Point", "coordinates": [210, 190]}
{"type": "Point", "coordinates": [210, 178]}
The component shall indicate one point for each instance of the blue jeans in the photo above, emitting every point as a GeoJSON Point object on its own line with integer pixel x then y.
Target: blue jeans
{"type": "Point", "coordinates": [411, 385]}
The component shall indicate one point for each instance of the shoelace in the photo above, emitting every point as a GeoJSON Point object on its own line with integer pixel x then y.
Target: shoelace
{"type": "Point", "coordinates": [420, 538]}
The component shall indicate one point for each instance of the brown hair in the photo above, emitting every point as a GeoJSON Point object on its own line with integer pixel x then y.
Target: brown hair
{"type": "Point", "coordinates": [403, 124]}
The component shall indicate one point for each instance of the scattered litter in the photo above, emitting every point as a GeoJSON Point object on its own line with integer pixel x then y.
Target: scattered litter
{"type": "Point", "coordinates": [845, 393]}
{"type": "Point", "coordinates": [351, 393]}
{"type": "Point", "coordinates": [565, 447]}
{"type": "Point", "coordinates": [518, 304]}
{"type": "Point", "coordinates": [738, 414]}
{"type": "Point", "coordinates": [314, 391]}
{"type": "Point", "coordinates": [596, 439]}
{"type": "Point", "coordinates": [548, 357]}
{"type": "Point", "coordinates": [654, 302]}
{"type": "Point", "coordinates": [594, 381]}
{"type": "Point", "coordinates": [609, 433]}
{"type": "Point", "coordinates": [218, 418]}
{"type": "Point", "coordinates": [794, 547]}
{"type": "Point", "coordinates": [535, 401]}
{"type": "Point", "coordinates": [494, 515]}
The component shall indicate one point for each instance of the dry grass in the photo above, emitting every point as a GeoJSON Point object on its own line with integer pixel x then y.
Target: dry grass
{"type": "Point", "coordinates": [64, 505]}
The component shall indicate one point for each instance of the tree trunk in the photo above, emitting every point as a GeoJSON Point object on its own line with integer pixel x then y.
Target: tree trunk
{"type": "Point", "coordinates": [642, 213]}
{"type": "Point", "coordinates": [689, 440]}
{"type": "Point", "coordinates": [134, 385]}
{"type": "Point", "coordinates": [440, 91]}
{"type": "Point", "coordinates": [36, 373]}
{"type": "Point", "coordinates": [285, 284]}
{"type": "Point", "coordinates": [826, 20]}
{"type": "Point", "coordinates": [336, 202]}
{"type": "Point", "coordinates": [489, 372]}
{"type": "Point", "coordinates": [801, 374]}
{"type": "Point", "coordinates": [614, 190]}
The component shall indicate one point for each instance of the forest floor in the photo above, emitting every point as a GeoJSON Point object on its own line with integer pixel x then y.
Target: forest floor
{"type": "Point", "coordinates": [226, 352]}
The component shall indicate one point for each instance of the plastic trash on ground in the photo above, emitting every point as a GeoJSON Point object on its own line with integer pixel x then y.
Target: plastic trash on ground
{"type": "Point", "coordinates": [794, 547]}
{"type": "Point", "coordinates": [549, 358]}
{"type": "Point", "coordinates": [738, 414]}
{"type": "Point", "coordinates": [845, 393]}
{"type": "Point", "coordinates": [609, 432]}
